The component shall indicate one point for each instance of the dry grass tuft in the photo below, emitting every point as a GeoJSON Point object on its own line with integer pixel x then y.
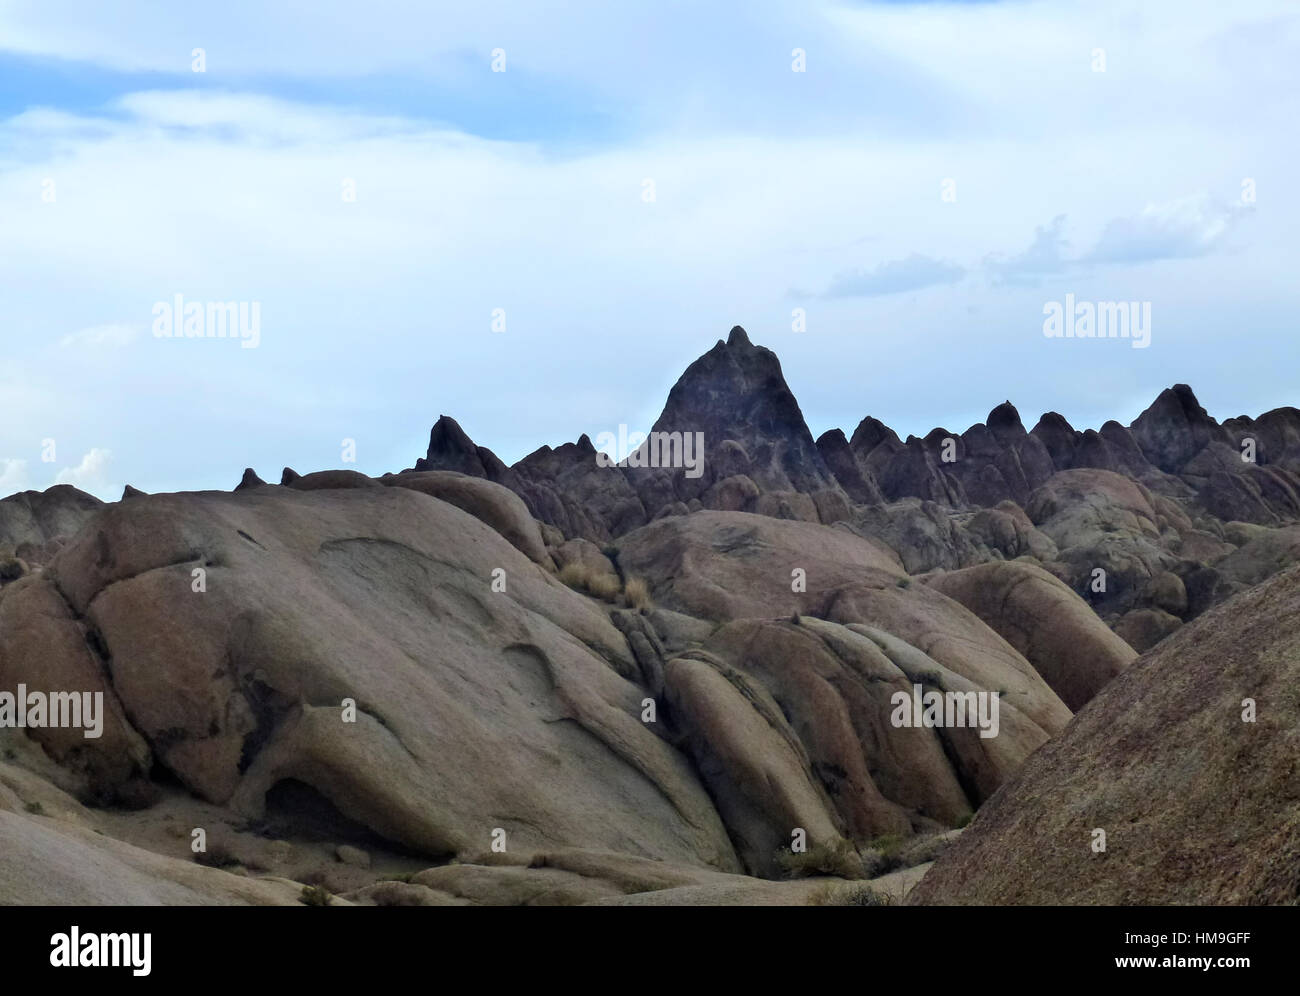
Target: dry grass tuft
{"type": "Point", "coordinates": [637, 593]}
{"type": "Point", "coordinates": [849, 895]}
{"type": "Point", "coordinates": [315, 895]}
{"type": "Point", "coordinates": [840, 859]}
{"type": "Point", "coordinates": [582, 577]}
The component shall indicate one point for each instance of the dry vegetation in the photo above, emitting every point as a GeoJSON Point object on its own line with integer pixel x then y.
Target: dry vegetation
{"type": "Point", "coordinates": [870, 860]}
{"type": "Point", "coordinates": [841, 859]}
{"type": "Point", "coordinates": [636, 593]}
{"type": "Point", "coordinates": [607, 587]}
{"type": "Point", "coordinates": [859, 894]}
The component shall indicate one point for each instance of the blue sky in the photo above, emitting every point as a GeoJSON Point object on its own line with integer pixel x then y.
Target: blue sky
{"type": "Point", "coordinates": [936, 174]}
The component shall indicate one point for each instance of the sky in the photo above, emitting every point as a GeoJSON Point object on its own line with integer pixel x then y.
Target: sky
{"type": "Point", "coordinates": [532, 216]}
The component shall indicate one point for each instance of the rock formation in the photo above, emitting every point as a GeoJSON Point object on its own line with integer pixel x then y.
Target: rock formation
{"type": "Point", "coordinates": [1192, 797]}
{"type": "Point", "coordinates": [650, 680]}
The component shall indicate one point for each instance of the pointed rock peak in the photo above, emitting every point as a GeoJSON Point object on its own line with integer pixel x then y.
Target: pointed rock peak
{"type": "Point", "coordinates": [1185, 394]}
{"type": "Point", "coordinates": [447, 436]}
{"type": "Point", "coordinates": [585, 444]}
{"type": "Point", "coordinates": [1060, 438]}
{"type": "Point", "coordinates": [1119, 436]}
{"type": "Point", "coordinates": [869, 434]}
{"type": "Point", "coordinates": [832, 437]}
{"type": "Point", "coordinates": [1173, 402]}
{"type": "Point", "coordinates": [289, 475]}
{"type": "Point", "coordinates": [450, 448]}
{"type": "Point", "coordinates": [130, 492]}
{"type": "Point", "coordinates": [859, 484]}
{"type": "Point", "coordinates": [1175, 428]}
{"type": "Point", "coordinates": [736, 391]}
{"type": "Point", "coordinates": [249, 480]}
{"type": "Point", "coordinates": [1004, 422]}
{"type": "Point", "coordinates": [738, 337]}
{"type": "Point", "coordinates": [937, 435]}
{"type": "Point", "coordinates": [1054, 422]}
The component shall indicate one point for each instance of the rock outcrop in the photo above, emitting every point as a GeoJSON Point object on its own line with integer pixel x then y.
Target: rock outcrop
{"type": "Point", "coordinates": [34, 524]}
{"type": "Point", "coordinates": [1186, 761]}
{"type": "Point", "coordinates": [1045, 621]}
{"type": "Point", "coordinates": [464, 698]}
{"type": "Point", "coordinates": [947, 500]}
{"type": "Point", "coordinates": [651, 676]}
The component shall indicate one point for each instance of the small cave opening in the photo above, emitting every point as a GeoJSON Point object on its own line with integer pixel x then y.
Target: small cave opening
{"type": "Point", "coordinates": [296, 810]}
{"type": "Point", "coordinates": [164, 777]}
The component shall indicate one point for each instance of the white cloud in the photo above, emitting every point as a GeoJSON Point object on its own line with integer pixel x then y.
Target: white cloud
{"type": "Point", "coordinates": [1183, 229]}
{"type": "Point", "coordinates": [249, 117]}
{"type": "Point", "coordinates": [1044, 256]}
{"type": "Point", "coordinates": [13, 477]}
{"type": "Point", "coordinates": [894, 277]}
{"type": "Point", "coordinates": [113, 334]}
{"type": "Point", "coordinates": [1192, 226]}
{"type": "Point", "coordinates": [90, 474]}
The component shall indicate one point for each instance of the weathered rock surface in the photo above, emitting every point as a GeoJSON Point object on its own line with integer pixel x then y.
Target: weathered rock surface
{"type": "Point", "coordinates": [1055, 630]}
{"type": "Point", "coordinates": [34, 524]}
{"type": "Point", "coordinates": [466, 699]}
{"type": "Point", "coordinates": [728, 565]}
{"type": "Point", "coordinates": [1198, 805]}
{"type": "Point", "coordinates": [46, 862]}
{"type": "Point", "coordinates": [494, 504]}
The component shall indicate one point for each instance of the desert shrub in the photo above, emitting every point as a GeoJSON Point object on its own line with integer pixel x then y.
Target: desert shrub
{"type": "Point", "coordinates": [904, 582]}
{"type": "Point", "coordinates": [315, 895]}
{"type": "Point", "coordinates": [575, 575]}
{"type": "Point", "coordinates": [604, 586]}
{"type": "Point", "coordinates": [840, 858]}
{"type": "Point", "coordinates": [892, 852]}
{"type": "Point", "coordinates": [922, 850]}
{"type": "Point", "coordinates": [849, 895]}
{"type": "Point", "coordinates": [883, 855]}
{"type": "Point", "coordinates": [35, 808]}
{"type": "Point", "coordinates": [965, 821]}
{"type": "Point", "coordinates": [637, 593]}
{"type": "Point", "coordinates": [323, 879]}
{"type": "Point", "coordinates": [888, 844]}
{"type": "Point", "coordinates": [581, 577]}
